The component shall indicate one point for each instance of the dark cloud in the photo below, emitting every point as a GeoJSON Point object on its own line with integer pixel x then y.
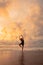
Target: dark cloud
{"type": "Point", "coordinates": [4, 3]}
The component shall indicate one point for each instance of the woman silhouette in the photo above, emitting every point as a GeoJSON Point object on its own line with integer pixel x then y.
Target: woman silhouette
{"type": "Point", "coordinates": [22, 41]}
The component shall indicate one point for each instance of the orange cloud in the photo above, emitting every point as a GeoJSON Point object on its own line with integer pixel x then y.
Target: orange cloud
{"type": "Point", "coordinates": [19, 17]}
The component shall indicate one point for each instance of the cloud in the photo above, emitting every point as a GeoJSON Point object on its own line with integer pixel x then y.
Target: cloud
{"type": "Point", "coordinates": [3, 3]}
{"type": "Point", "coordinates": [23, 17]}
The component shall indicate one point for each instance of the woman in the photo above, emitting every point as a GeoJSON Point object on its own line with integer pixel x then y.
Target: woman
{"type": "Point", "coordinates": [22, 42]}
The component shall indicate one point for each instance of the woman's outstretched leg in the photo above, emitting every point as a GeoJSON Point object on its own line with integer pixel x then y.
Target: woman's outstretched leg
{"type": "Point", "coordinates": [20, 45]}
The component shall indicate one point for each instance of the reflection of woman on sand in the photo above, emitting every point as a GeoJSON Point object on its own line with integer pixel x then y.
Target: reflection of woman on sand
{"type": "Point", "coordinates": [21, 57]}
{"type": "Point", "coordinates": [22, 42]}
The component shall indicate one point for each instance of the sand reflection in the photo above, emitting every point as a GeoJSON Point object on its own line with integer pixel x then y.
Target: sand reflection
{"type": "Point", "coordinates": [21, 59]}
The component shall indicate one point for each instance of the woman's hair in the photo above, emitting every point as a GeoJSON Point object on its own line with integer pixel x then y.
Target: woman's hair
{"type": "Point", "coordinates": [21, 36]}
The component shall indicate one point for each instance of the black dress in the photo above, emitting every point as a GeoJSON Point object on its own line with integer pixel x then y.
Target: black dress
{"type": "Point", "coordinates": [22, 41]}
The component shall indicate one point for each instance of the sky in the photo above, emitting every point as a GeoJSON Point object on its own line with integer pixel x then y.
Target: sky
{"type": "Point", "coordinates": [22, 17]}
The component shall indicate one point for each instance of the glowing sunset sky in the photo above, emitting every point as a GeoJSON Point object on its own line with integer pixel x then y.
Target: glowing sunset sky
{"type": "Point", "coordinates": [22, 17]}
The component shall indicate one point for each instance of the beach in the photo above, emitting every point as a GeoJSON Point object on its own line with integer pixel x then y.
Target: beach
{"type": "Point", "coordinates": [17, 57]}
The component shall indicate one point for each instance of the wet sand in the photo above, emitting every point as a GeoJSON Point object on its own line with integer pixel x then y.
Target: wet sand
{"type": "Point", "coordinates": [14, 57]}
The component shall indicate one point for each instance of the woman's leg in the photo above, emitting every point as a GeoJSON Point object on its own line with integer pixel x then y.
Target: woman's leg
{"type": "Point", "coordinates": [22, 47]}
{"type": "Point", "coordinates": [20, 44]}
